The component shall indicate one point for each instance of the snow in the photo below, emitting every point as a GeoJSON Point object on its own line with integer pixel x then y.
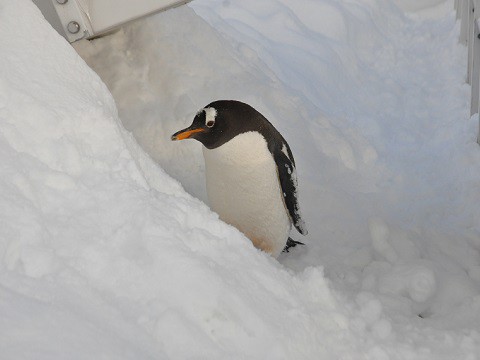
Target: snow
{"type": "Point", "coordinates": [104, 255]}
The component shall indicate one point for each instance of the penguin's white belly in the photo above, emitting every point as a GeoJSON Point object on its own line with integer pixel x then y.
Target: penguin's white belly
{"type": "Point", "coordinates": [243, 189]}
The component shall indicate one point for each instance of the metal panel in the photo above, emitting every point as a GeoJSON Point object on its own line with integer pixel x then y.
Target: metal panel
{"type": "Point", "coordinates": [475, 71]}
{"type": "Point", "coordinates": [475, 99]}
{"type": "Point", "coordinates": [78, 19]}
{"type": "Point", "coordinates": [468, 11]}
{"type": "Point", "coordinates": [463, 11]}
{"type": "Point", "coordinates": [470, 39]}
{"type": "Point", "coordinates": [105, 15]}
{"type": "Point", "coordinates": [74, 19]}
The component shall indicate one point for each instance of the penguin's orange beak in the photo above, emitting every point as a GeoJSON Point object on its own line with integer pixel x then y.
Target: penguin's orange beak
{"type": "Point", "coordinates": [186, 133]}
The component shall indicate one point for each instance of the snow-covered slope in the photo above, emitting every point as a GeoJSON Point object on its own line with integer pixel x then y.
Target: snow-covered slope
{"type": "Point", "coordinates": [104, 255]}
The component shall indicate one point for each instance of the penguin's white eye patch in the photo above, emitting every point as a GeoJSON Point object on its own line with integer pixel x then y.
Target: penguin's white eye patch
{"type": "Point", "coordinates": [210, 116]}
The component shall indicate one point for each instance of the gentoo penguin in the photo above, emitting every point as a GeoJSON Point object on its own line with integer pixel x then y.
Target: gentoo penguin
{"type": "Point", "coordinates": [250, 173]}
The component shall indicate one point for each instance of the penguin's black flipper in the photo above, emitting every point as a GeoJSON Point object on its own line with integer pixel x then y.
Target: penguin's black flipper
{"type": "Point", "coordinates": [287, 177]}
{"type": "Point", "coordinates": [291, 243]}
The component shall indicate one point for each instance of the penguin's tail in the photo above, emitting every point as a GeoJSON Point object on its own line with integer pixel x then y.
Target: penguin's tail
{"type": "Point", "coordinates": [290, 244]}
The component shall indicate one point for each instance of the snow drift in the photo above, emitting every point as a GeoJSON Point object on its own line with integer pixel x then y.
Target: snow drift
{"type": "Point", "coordinates": [98, 261]}
{"type": "Point", "coordinates": [104, 255]}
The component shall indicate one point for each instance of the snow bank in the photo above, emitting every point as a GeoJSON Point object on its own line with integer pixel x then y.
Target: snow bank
{"type": "Point", "coordinates": [103, 255]}
{"type": "Point", "coordinates": [95, 261]}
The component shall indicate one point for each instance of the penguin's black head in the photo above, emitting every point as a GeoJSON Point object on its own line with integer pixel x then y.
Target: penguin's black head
{"type": "Point", "coordinates": [221, 121]}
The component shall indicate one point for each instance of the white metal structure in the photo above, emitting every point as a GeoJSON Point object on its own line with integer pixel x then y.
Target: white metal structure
{"type": "Point", "coordinates": [468, 11]}
{"type": "Point", "coordinates": [78, 19]}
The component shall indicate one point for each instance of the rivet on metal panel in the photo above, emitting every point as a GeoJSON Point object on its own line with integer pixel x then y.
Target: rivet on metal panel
{"type": "Point", "coordinates": [73, 27]}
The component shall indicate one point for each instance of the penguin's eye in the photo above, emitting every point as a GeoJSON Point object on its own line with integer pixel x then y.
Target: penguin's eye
{"type": "Point", "coordinates": [210, 116]}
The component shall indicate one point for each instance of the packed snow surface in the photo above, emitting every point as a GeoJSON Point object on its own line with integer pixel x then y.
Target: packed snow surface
{"type": "Point", "coordinates": [104, 255]}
